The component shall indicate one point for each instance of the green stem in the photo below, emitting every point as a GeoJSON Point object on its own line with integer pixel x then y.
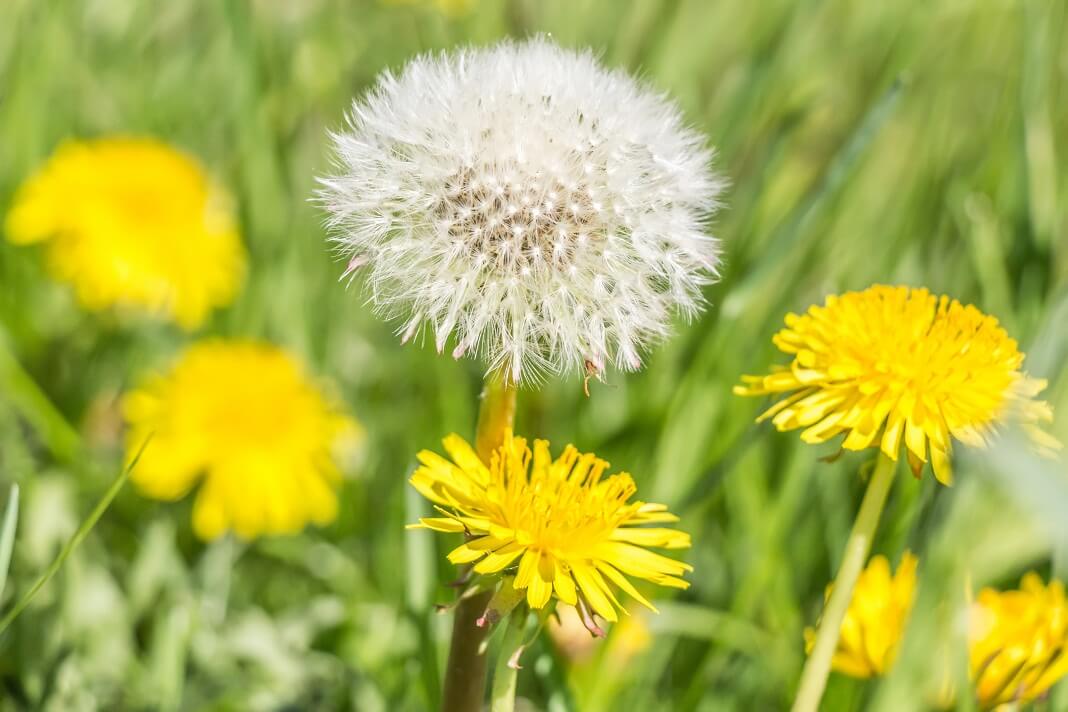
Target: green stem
{"type": "Point", "coordinates": [72, 544]}
{"type": "Point", "coordinates": [818, 665]}
{"type": "Point", "coordinates": [7, 534]}
{"type": "Point", "coordinates": [465, 672]}
{"type": "Point", "coordinates": [505, 676]}
{"type": "Point", "coordinates": [496, 413]}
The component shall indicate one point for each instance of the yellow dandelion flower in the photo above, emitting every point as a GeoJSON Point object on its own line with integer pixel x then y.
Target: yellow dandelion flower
{"type": "Point", "coordinates": [132, 222]}
{"type": "Point", "coordinates": [1018, 642]}
{"type": "Point", "coordinates": [566, 528]}
{"type": "Point", "coordinates": [893, 364]}
{"type": "Point", "coordinates": [875, 622]}
{"type": "Point", "coordinates": [244, 418]}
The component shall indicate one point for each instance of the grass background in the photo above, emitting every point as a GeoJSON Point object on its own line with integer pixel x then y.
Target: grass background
{"type": "Point", "coordinates": [909, 142]}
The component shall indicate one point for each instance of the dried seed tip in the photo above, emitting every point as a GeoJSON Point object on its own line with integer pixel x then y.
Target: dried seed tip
{"type": "Point", "coordinates": [355, 262]}
{"type": "Point", "coordinates": [513, 659]}
{"type": "Point", "coordinates": [527, 204]}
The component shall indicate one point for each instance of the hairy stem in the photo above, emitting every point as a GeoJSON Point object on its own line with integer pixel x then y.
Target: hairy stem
{"type": "Point", "coordinates": [465, 673]}
{"type": "Point", "coordinates": [818, 665]}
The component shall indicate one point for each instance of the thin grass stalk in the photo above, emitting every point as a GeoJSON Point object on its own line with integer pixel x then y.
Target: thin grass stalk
{"type": "Point", "coordinates": [818, 665]}
{"type": "Point", "coordinates": [74, 541]}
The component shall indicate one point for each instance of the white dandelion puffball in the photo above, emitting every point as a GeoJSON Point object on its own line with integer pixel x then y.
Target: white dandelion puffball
{"type": "Point", "coordinates": [527, 204]}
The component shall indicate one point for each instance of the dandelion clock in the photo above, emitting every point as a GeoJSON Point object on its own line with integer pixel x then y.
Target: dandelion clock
{"type": "Point", "coordinates": [525, 203]}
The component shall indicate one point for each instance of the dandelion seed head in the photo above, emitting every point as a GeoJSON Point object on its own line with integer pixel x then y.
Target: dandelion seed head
{"type": "Point", "coordinates": [539, 209]}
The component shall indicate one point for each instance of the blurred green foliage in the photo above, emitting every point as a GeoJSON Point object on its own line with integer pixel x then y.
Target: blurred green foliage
{"type": "Point", "coordinates": [908, 142]}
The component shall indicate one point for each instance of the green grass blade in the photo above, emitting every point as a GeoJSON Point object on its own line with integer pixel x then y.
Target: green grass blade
{"type": "Point", "coordinates": [58, 435]}
{"type": "Point", "coordinates": [7, 534]}
{"type": "Point", "coordinates": [766, 273]}
{"type": "Point", "coordinates": [72, 544]}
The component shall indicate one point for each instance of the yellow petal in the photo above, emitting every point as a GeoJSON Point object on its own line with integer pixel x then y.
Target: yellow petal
{"type": "Point", "coordinates": [500, 559]}
{"type": "Point", "coordinates": [528, 566]}
{"type": "Point", "coordinates": [592, 592]}
{"type": "Point", "coordinates": [210, 519]}
{"type": "Point", "coordinates": [564, 585]}
{"type": "Point", "coordinates": [464, 455]}
{"type": "Point", "coordinates": [658, 537]}
{"type": "Point", "coordinates": [621, 581]}
{"type": "Point", "coordinates": [940, 464]}
{"type": "Point", "coordinates": [464, 555]}
{"type": "Point", "coordinates": [538, 592]}
{"type": "Point", "coordinates": [440, 524]}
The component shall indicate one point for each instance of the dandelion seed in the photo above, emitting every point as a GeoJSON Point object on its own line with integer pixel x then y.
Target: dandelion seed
{"type": "Point", "coordinates": [562, 527]}
{"type": "Point", "coordinates": [242, 417]}
{"type": "Point", "coordinates": [132, 222]}
{"type": "Point", "coordinates": [354, 264]}
{"type": "Point", "coordinates": [537, 208]}
{"type": "Point", "coordinates": [893, 366]}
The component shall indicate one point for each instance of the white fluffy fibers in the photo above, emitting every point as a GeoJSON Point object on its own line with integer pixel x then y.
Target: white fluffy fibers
{"type": "Point", "coordinates": [526, 204]}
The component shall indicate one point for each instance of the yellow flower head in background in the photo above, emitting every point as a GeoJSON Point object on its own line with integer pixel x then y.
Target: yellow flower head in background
{"type": "Point", "coordinates": [132, 222]}
{"type": "Point", "coordinates": [244, 418]}
{"type": "Point", "coordinates": [875, 622]}
{"type": "Point", "coordinates": [571, 530]}
{"type": "Point", "coordinates": [1019, 641]}
{"type": "Point", "coordinates": [892, 364]}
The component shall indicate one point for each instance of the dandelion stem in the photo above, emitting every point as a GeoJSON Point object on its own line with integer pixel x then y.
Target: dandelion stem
{"type": "Point", "coordinates": [818, 665]}
{"type": "Point", "coordinates": [506, 673]}
{"type": "Point", "coordinates": [495, 415]}
{"type": "Point", "coordinates": [465, 673]}
{"type": "Point", "coordinates": [72, 544]}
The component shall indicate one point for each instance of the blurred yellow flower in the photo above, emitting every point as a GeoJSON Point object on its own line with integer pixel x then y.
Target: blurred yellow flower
{"type": "Point", "coordinates": [891, 363]}
{"type": "Point", "coordinates": [1019, 642]}
{"type": "Point", "coordinates": [875, 622]}
{"type": "Point", "coordinates": [571, 531]}
{"type": "Point", "coordinates": [243, 417]}
{"type": "Point", "coordinates": [132, 222]}
{"type": "Point", "coordinates": [628, 638]}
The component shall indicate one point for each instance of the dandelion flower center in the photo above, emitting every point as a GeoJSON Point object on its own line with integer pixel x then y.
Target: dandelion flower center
{"type": "Point", "coordinates": [527, 204]}
{"type": "Point", "coordinates": [893, 365]}
{"type": "Point", "coordinates": [561, 525]}
{"type": "Point", "coordinates": [569, 516]}
{"type": "Point", "coordinates": [523, 223]}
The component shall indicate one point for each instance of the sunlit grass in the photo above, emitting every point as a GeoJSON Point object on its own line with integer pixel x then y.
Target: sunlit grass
{"type": "Point", "coordinates": [916, 143]}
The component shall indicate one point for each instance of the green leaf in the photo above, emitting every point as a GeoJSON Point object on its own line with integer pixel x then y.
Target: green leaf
{"type": "Point", "coordinates": [7, 534]}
